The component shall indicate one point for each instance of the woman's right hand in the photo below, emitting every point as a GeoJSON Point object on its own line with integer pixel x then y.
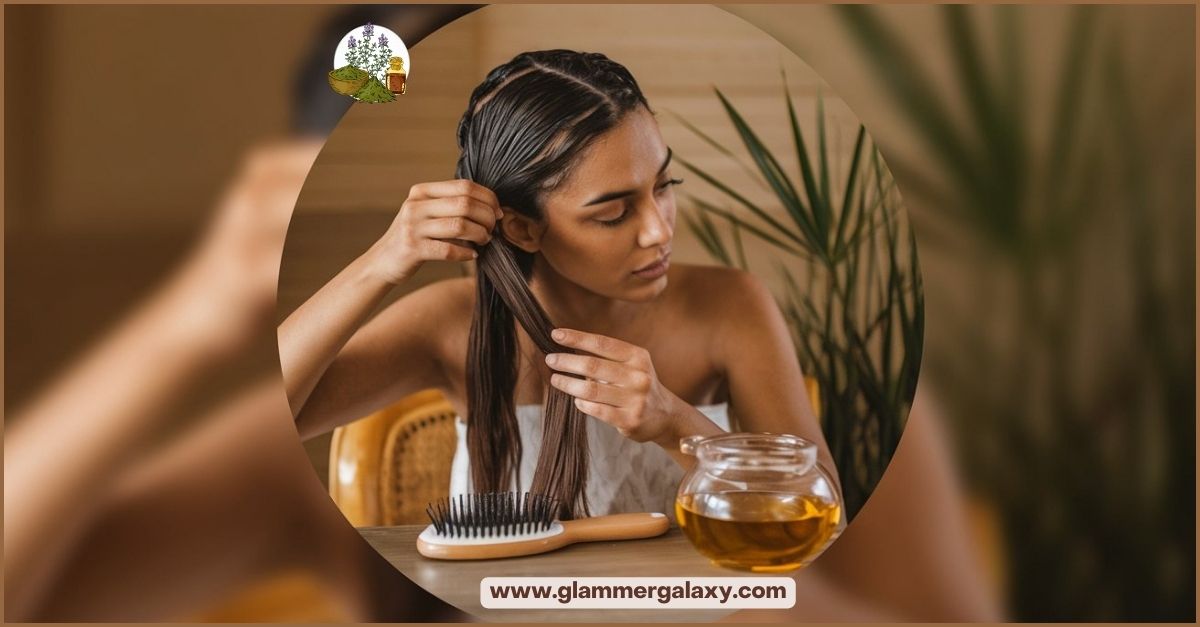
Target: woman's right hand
{"type": "Point", "coordinates": [439, 221]}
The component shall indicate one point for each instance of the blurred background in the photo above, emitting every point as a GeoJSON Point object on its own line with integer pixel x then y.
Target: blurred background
{"type": "Point", "coordinates": [114, 166]}
{"type": "Point", "coordinates": [1046, 156]}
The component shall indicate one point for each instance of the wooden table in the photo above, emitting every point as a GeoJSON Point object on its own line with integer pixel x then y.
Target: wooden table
{"type": "Point", "coordinates": [457, 583]}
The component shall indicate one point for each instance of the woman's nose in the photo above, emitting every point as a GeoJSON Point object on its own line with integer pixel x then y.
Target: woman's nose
{"type": "Point", "coordinates": [657, 227]}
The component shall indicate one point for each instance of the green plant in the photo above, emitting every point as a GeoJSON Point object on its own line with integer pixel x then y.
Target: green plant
{"type": "Point", "coordinates": [857, 319]}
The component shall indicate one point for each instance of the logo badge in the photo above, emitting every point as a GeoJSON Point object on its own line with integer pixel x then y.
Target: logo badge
{"type": "Point", "coordinates": [371, 65]}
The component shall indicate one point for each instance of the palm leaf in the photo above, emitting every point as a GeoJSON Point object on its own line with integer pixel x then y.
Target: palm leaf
{"type": "Point", "coordinates": [773, 173]}
{"type": "Point", "coordinates": [755, 209]}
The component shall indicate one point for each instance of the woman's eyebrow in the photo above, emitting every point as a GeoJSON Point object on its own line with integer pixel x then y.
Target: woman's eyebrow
{"type": "Point", "coordinates": [627, 192]}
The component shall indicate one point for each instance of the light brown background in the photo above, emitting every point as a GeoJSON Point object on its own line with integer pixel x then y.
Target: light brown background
{"type": "Point", "coordinates": [123, 124]}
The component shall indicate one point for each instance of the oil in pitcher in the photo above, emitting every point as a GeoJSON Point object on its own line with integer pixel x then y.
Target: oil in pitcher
{"type": "Point", "coordinates": [758, 531]}
{"type": "Point", "coordinates": [758, 502]}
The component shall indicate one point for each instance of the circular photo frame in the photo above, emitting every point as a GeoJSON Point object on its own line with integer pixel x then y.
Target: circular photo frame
{"type": "Point", "coordinates": [603, 303]}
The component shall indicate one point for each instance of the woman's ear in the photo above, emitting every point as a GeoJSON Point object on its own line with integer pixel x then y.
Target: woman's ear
{"type": "Point", "coordinates": [521, 230]}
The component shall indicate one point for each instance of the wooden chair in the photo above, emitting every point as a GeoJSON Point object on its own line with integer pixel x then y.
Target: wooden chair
{"type": "Point", "coordinates": [385, 468]}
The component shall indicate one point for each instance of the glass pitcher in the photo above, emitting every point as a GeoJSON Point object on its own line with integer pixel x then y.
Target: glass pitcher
{"type": "Point", "coordinates": [758, 501]}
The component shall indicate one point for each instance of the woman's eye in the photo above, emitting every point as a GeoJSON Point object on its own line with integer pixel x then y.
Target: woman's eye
{"type": "Point", "coordinates": [625, 213]}
{"type": "Point", "coordinates": [669, 183]}
{"type": "Point", "coordinates": [617, 220]}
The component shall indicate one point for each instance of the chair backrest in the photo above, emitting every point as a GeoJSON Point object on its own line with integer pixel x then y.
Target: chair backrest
{"type": "Point", "coordinates": [385, 468]}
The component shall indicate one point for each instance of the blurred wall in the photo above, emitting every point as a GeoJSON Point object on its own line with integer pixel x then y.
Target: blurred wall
{"type": "Point", "coordinates": [122, 126]}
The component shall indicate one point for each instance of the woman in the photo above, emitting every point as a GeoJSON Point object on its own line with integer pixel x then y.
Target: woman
{"type": "Point", "coordinates": [564, 170]}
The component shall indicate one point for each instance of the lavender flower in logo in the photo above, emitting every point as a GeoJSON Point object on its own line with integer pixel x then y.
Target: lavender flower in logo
{"type": "Point", "coordinates": [369, 54]}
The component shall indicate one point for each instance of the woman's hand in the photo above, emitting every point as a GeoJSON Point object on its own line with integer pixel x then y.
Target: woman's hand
{"type": "Point", "coordinates": [622, 389]}
{"type": "Point", "coordinates": [440, 221]}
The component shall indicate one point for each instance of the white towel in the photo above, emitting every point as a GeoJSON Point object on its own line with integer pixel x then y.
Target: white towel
{"type": "Point", "coordinates": [623, 475]}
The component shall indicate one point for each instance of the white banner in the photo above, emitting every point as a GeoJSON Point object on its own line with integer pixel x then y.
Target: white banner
{"type": "Point", "coordinates": [637, 592]}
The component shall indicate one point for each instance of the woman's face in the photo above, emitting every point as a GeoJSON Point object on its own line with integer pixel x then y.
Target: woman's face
{"type": "Point", "coordinates": [614, 216]}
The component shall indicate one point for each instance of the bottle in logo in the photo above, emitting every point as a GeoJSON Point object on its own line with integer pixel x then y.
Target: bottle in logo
{"type": "Point", "coordinates": [396, 77]}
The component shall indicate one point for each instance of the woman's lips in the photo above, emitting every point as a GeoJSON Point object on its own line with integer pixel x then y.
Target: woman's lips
{"type": "Point", "coordinates": [656, 269]}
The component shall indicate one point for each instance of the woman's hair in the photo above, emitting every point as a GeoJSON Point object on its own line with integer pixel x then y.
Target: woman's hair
{"type": "Point", "coordinates": [524, 129]}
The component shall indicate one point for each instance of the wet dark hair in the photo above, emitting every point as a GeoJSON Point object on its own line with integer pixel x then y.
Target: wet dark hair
{"type": "Point", "coordinates": [525, 128]}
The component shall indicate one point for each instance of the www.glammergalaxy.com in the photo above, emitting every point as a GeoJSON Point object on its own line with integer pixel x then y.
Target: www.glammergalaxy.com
{"type": "Point", "coordinates": [637, 592]}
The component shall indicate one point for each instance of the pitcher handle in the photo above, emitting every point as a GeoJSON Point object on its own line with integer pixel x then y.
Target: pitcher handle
{"type": "Point", "coordinates": [688, 445]}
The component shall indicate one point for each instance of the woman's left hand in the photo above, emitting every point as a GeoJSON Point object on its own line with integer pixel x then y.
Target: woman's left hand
{"type": "Point", "coordinates": [621, 387]}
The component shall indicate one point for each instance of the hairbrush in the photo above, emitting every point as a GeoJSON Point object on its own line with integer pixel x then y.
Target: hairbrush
{"type": "Point", "coordinates": [505, 524]}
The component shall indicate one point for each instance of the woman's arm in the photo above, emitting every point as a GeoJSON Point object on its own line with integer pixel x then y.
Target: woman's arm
{"type": "Point", "coordinates": [349, 377]}
{"type": "Point", "coordinates": [398, 352]}
{"type": "Point", "coordinates": [311, 337]}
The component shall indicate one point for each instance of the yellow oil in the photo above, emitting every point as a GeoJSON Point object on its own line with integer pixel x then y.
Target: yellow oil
{"type": "Point", "coordinates": [757, 531]}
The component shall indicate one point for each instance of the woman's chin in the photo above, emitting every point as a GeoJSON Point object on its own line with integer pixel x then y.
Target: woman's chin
{"type": "Point", "coordinates": [647, 291]}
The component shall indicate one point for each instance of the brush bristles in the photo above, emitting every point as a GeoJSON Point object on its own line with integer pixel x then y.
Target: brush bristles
{"type": "Point", "coordinates": [495, 514]}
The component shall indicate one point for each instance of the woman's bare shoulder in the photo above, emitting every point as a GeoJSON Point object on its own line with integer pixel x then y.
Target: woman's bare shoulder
{"type": "Point", "coordinates": [718, 290]}
{"type": "Point", "coordinates": [735, 308]}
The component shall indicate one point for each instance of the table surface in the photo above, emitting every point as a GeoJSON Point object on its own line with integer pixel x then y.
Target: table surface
{"type": "Point", "coordinates": [457, 582]}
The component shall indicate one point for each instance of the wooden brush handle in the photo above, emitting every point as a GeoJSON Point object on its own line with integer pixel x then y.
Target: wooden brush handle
{"type": "Point", "coordinates": [615, 527]}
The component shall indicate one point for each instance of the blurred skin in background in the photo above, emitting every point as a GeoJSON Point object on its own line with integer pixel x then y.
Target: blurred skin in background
{"type": "Point", "coordinates": [114, 510]}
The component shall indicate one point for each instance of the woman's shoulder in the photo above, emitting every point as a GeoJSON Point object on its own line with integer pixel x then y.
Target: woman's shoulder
{"type": "Point", "coordinates": [698, 272]}
{"type": "Point", "coordinates": [734, 306]}
{"type": "Point", "coordinates": [720, 289]}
